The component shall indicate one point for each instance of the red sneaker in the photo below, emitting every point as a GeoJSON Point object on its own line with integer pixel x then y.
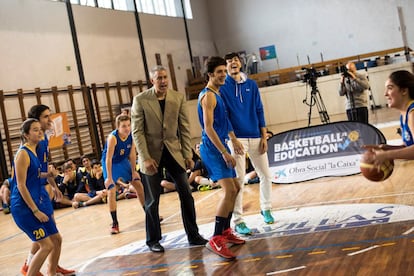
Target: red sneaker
{"type": "Point", "coordinates": [115, 229]}
{"type": "Point", "coordinates": [65, 272]}
{"type": "Point", "coordinates": [25, 268]}
{"type": "Point", "coordinates": [217, 244]}
{"type": "Point", "coordinates": [229, 235]}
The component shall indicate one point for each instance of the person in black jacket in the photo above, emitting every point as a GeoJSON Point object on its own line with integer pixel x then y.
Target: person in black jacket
{"type": "Point", "coordinates": [92, 189]}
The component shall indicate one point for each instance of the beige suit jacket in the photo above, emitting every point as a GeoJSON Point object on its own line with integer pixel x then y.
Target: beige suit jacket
{"type": "Point", "coordinates": [151, 130]}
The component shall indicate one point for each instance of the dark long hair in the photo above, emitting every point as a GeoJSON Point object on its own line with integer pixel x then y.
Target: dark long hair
{"type": "Point", "coordinates": [403, 79]}
{"type": "Point", "coordinates": [25, 128]}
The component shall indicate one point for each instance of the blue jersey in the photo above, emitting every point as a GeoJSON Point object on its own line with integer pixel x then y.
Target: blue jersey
{"type": "Point", "coordinates": [221, 123]}
{"type": "Point", "coordinates": [122, 148]}
{"type": "Point", "coordinates": [212, 158]}
{"type": "Point", "coordinates": [406, 134]}
{"type": "Point", "coordinates": [22, 214]}
{"type": "Point", "coordinates": [42, 151]}
{"type": "Point", "coordinates": [34, 185]}
{"type": "Point", "coordinates": [121, 167]}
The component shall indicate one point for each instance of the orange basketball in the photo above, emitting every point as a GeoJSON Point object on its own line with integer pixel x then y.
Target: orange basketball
{"type": "Point", "coordinates": [372, 172]}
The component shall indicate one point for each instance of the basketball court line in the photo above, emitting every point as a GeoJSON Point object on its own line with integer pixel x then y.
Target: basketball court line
{"type": "Point", "coordinates": [216, 260]}
{"type": "Point", "coordinates": [197, 202]}
{"type": "Point", "coordinates": [296, 221]}
{"type": "Point", "coordinates": [387, 124]}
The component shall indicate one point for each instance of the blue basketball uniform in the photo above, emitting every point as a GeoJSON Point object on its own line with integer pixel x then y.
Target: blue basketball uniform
{"type": "Point", "coordinates": [121, 168]}
{"type": "Point", "coordinates": [22, 214]}
{"type": "Point", "coordinates": [406, 134]}
{"type": "Point", "coordinates": [212, 158]}
{"type": "Point", "coordinates": [42, 151]}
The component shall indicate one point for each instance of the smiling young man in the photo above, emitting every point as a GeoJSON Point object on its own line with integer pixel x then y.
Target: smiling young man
{"type": "Point", "coordinates": [215, 154]}
{"type": "Point", "coordinates": [245, 110]}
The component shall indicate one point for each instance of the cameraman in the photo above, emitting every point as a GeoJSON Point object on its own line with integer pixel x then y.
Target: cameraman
{"type": "Point", "coordinates": [354, 86]}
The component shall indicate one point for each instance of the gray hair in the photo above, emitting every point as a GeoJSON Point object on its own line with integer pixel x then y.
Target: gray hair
{"type": "Point", "coordinates": [156, 69]}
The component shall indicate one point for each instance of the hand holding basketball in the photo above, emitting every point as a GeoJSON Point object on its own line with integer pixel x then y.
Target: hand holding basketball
{"type": "Point", "coordinates": [373, 172]}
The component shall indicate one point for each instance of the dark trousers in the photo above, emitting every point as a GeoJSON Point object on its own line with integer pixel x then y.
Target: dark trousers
{"type": "Point", "coordinates": [359, 114]}
{"type": "Point", "coordinates": [152, 189]}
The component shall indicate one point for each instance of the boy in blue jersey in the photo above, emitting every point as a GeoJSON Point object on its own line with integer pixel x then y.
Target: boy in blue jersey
{"type": "Point", "coordinates": [30, 205]}
{"type": "Point", "coordinates": [215, 154]}
{"type": "Point", "coordinates": [245, 110]}
{"type": "Point", "coordinates": [42, 114]}
{"type": "Point", "coordinates": [119, 161]}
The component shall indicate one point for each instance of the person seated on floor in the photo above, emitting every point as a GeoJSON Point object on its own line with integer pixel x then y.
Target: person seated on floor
{"type": "Point", "coordinates": [92, 189]}
{"type": "Point", "coordinates": [71, 162]}
{"type": "Point", "coordinates": [86, 166]}
{"type": "Point", "coordinates": [5, 196]}
{"type": "Point", "coordinates": [69, 184]}
{"type": "Point", "coordinates": [58, 176]}
{"type": "Point", "coordinates": [56, 172]}
{"type": "Point", "coordinates": [167, 183]}
{"type": "Point", "coordinates": [199, 178]}
{"type": "Point", "coordinates": [126, 111]}
{"type": "Point", "coordinates": [125, 190]}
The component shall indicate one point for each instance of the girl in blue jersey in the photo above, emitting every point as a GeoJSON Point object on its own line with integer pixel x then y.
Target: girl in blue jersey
{"type": "Point", "coordinates": [31, 207]}
{"type": "Point", "coordinates": [119, 161]}
{"type": "Point", "coordinates": [42, 113]}
{"type": "Point", "coordinates": [214, 152]}
{"type": "Point", "coordinates": [399, 91]}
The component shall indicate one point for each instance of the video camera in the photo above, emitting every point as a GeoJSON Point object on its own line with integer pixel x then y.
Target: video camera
{"type": "Point", "coordinates": [344, 71]}
{"type": "Point", "coordinates": [311, 76]}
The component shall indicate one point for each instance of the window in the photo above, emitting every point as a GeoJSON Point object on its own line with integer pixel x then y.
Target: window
{"type": "Point", "coordinates": [158, 7]}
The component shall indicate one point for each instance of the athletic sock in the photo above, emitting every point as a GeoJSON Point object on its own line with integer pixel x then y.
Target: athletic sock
{"type": "Point", "coordinates": [227, 225]}
{"type": "Point", "coordinates": [114, 218]}
{"type": "Point", "coordinates": [29, 258]}
{"type": "Point", "coordinates": [219, 226]}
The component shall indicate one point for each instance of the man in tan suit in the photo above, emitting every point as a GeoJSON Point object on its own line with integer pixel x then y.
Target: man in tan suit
{"type": "Point", "coordinates": [160, 128]}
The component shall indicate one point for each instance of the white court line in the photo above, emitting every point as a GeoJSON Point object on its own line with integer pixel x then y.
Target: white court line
{"type": "Point", "coordinates": [387, 124]}
{"type": "Point", "coordinates": [363, 250]}
{"type": "Point", "coordinates": [408, 231]}
{"type": "Point", "coordinates": [178, 213]}
{"type": "Point", "coordinates": [338, 201]}
{"type": "Point", "coordinates": [286, 270]}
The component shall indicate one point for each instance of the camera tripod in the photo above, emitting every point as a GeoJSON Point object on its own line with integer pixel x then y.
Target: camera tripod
{"type": "Point", "coordinates": [316, 99]}
{"type": "Point", "coordinates": [374, 106]}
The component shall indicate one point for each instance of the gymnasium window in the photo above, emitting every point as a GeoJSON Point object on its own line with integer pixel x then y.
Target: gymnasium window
{"type": "Point", "coordinates": [158, 7]}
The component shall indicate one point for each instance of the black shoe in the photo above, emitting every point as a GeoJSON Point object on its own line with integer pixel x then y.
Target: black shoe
{"type": "Point", "coordinates": [156, 247]}
{"type": "Point", "coordinates": [199, 240]}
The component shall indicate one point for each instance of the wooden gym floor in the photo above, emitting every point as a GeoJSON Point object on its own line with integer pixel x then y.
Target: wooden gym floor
{"type": "Point", "coordinates": [329, 226]}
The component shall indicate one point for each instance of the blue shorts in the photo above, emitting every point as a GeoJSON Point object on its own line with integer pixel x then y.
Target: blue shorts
{"type": "Point", "coordinates": [119, 170]}
{"type": "Point", "coordinates": [33, 228]}
{"type": "Point", "coordinates": [215, 164]}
